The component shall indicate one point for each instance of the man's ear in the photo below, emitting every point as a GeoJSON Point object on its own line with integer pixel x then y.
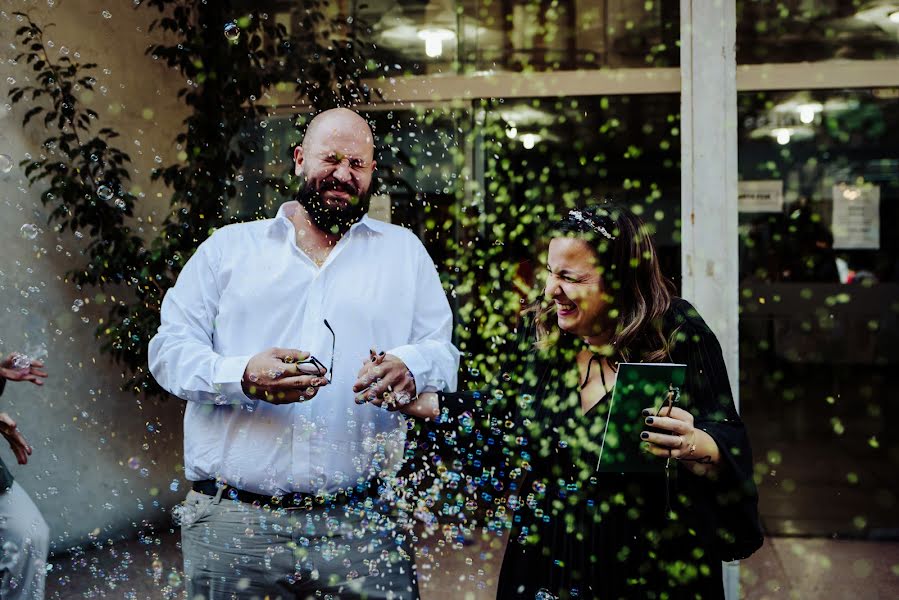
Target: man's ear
{"type": "Point", "coordinates": [298, 160]}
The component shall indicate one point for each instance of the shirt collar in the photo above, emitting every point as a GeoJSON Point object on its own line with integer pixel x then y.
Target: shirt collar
{"type": "Point", "coordinates": [286, 211]}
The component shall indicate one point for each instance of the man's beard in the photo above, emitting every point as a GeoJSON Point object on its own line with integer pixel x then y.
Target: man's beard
{"type": "Point", "coordinates": [330, 218]}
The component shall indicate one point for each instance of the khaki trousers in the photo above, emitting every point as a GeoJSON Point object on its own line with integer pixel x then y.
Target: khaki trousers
{"type": "Point", "coordinates": [237, 550]}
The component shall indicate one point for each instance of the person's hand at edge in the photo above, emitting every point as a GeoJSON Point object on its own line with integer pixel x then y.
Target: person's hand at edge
{"type": "Point", "coordinates": [33, 372]}
{"type": "Point", "coordinates": [16, 440]}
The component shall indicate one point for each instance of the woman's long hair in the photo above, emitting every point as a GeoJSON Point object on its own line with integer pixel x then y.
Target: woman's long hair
{"type": "Point", "coordinates": [629, 267]}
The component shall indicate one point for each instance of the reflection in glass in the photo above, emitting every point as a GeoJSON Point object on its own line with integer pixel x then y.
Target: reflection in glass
{"type": "Point", "coordinates": [801, 31]}
{"type": "Point", "coordinates": [464, 36]}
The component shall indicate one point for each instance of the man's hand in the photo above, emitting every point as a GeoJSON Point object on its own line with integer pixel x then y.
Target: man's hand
{"type": "Point", "coordinates": [275, 376]}
{"type": "Point", "coordinates": [385, 381]}
{"type": "Point", "coordinates": [18, 367]}
{"type": "Point", "coordinates": [16, 441]}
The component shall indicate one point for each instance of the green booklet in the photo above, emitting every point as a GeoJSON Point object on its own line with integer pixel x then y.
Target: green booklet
{"type": "Point", "coordinates": [638, 386]}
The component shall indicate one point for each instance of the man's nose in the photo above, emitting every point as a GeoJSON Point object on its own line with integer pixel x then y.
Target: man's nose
{"type": "Point", "coordinates": [342, 172]}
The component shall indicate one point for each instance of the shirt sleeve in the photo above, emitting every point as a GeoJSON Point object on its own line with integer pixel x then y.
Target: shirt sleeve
{"type": "Point", "coordinates": [181, 355]}
{"type": "Point", "coordinates": [430, 355]}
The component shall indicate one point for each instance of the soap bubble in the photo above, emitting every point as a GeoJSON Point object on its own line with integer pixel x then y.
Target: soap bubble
{"type": "Point", "coordinates": [9, 555]}
{"type": "Point", "coordinates": [77, 304]}
{"type": "Point", "coordinates": [174, 485]}
{"type": "Point", "coordinates": [120, 204]}
{"type": "Point", "coordinates": [20, 362]}
{"type": "Point", "coordinates": [134, 463]}
{"type": "Point", "coordinates": [174, 579]}
{"type": "Point", "coordinates": [107, 14]}
{"type": "Point", "coordinates": [232, 32]}
{"type": "Point", "coordinates": [105, 193]}
{"type": "Point", "coordinates": [29, 231]}
{"type": "Point", "coordinates": [5, 163]}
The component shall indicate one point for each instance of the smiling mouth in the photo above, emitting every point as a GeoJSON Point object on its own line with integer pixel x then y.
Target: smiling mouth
{"type": "Point", "coordinates": [340, 196]}
{"type": "Point", "coordinates": [564, 310]}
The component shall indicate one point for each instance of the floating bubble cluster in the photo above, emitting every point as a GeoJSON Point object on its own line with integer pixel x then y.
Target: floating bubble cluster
{"type": "Point", "coordinates": [21, 362]}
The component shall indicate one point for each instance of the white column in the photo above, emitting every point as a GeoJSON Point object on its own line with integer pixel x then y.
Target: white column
{"type": "Point", "coordinates": [709, 180]}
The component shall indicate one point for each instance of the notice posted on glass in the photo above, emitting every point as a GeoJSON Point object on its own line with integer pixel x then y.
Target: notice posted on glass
{"type": "Point", "coordinates": [856, 217]}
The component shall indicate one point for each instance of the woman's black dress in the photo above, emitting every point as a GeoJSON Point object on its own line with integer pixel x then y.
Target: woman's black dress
{"type": "Point", "coordinates": [581, 534]}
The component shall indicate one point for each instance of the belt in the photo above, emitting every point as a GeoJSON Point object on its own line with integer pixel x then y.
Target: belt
{"type": "Point", "coordinates": [211, 487]}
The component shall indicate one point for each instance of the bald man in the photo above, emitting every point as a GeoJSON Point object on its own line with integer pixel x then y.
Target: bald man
{"type": "Point", "coordinates": [301, 344]}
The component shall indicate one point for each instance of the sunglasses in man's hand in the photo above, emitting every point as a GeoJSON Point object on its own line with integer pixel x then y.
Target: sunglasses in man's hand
{"type": "Point", "coordinates": [317, 363]}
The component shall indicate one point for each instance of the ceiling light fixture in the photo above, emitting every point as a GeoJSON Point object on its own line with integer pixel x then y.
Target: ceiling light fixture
{"type": "Point", "coordinates": [434, 39]}
{"type": "Point", "coordinates": [808, 110]}
{"type": "Point", "coordinates": [529, 140]}
{"type": "Point", "coordinates": [783, 135]}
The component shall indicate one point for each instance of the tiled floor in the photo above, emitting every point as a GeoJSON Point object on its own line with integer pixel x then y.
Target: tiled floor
{"type": "Point", "coordinates": [788, 568]}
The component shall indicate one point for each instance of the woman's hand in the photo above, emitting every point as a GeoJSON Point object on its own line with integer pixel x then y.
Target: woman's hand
{"type": "Point", "coordinates": [16, 440]}
{"type": "Point", "coordinates": [18, 367]}
{"type": "Point", "coordinates": [681, 440]}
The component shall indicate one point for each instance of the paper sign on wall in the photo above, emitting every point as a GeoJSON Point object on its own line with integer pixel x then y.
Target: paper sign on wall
{"type": "Point", "coordinates": [856, 216]}
{"type": "Point", "coordinates": [761, 196]}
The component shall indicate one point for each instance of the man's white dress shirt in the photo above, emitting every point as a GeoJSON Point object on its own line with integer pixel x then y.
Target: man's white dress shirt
{"type": "Point", "coordinates": [249, 288]}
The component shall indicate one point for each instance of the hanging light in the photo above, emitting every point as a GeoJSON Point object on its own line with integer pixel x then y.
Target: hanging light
{"type": "Point", "coordinates": [894, 16]}
{"type": "Point", "coordinates": [783, 135]}
{"type": "Point", "coordinates": [529, 140]}
{"type": "Point", "coordinates": [808, 110]}
{"type": "Point", "coordinates": [434, 39]}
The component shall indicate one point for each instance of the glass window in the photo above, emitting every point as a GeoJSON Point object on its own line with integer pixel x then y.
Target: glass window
{"type": "Point", "coordinates": [461, 36]}
{"type": "Point", "coordinates": [819, 300]}
{"type": "Point", "coordinates": [803, 31]}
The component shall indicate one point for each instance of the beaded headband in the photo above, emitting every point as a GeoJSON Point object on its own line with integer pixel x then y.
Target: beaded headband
{"type": "Point", "coordinates": [579, 216]}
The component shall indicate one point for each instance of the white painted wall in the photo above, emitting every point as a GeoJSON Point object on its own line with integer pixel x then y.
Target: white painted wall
{"type": "Point", "coordinates": [83, 429]}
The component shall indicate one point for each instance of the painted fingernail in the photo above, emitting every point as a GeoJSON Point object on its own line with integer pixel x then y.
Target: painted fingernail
{"type": "Point", "coordinates": [644, 435]}
{"type": "Point", "coordinates": [646, 412]}
{"type": "Point", "coordinates": [649, 420]}
{"type": "Point", "coordinates": [381, 353]}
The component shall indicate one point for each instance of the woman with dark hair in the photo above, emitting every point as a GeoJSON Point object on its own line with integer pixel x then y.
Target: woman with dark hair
{"type": "Point", "coordinates": [577, 532]}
